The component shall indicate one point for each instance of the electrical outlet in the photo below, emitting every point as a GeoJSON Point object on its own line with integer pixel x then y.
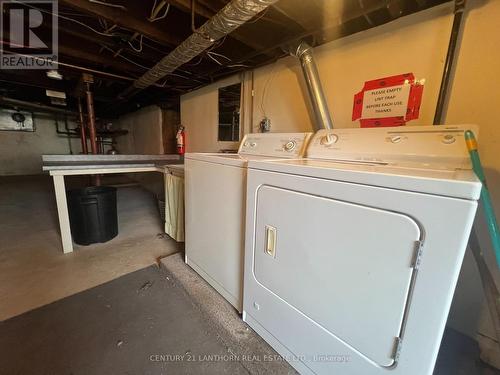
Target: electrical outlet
{"type": "Point", "coordinates": [265, 125]}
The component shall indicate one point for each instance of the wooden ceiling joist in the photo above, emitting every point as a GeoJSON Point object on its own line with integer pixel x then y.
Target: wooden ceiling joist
{"type": "Point", "coordinates": [124, 19]}
{"type": "Point", "coordinates": [96, 58]}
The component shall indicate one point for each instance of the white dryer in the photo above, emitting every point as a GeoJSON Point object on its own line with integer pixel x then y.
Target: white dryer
{"type": "Point", "coordinates": [352, 254]}
{"type": "Point", "coordinates": [215, 207]}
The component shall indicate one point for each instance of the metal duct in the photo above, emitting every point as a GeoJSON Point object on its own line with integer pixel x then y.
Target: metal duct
{"type": "Point", "coordinates": [233, 15]}
{"type": "Point", "coordinates": [303, 52]}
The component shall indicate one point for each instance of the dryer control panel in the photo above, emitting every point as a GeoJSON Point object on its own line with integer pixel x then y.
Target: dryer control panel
{"type": "Point", "coordinates": [441, 146]}
{"type": "Point", "coordinates": [279, 145]}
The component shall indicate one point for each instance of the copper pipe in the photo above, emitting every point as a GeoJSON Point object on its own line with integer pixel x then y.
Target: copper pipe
{"type": "Point", "coordinates": [92, 128]}
{"type": "Point", "coordinates": [83, 135]}
{"type": "Point", "coordinates": [91, 118]}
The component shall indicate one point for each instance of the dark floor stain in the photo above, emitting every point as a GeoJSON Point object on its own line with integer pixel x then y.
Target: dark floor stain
{"type": "Point", "coordinates": [140, 323]}
{"type": "Point", "coordinates": [144, 323]}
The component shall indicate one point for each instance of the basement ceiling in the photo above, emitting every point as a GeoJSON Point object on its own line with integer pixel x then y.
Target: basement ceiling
{"type": "Point", "coordinates": [120, 40]}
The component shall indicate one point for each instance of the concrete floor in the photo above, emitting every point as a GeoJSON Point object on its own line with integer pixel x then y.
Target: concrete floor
{"type": "Point", "coordinates": [114, 327]}
{"type": "Point", "coordinates": [161, 321]}
{"type": "Point", "coordinates": [141, 323]}
{"type": "Point", "coordinates": [33, 269]}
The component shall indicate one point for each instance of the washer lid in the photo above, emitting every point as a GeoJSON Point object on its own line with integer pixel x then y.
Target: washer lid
{"type": "Point", "coordinates": [218, 158]}
{"type": "Point", "coordinates": [455, 183]}
{"type": "Point", "coordinates": [235, 160]}
{"type": "Point", "coordinates": [259, 146]}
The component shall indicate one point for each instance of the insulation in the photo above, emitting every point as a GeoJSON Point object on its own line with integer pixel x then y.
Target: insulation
{"type": "Point", "coordinates": [233, 15]}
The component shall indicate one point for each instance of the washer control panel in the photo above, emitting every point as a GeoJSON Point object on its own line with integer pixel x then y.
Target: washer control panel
{"type": "Point", "coordinates": [279, 145]}
{"type": "Point", "coordinates": [427, 146]}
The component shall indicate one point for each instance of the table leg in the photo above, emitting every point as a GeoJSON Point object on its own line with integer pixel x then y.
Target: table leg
{"type": "Point", "coordinates": [62, 211]}
{"type": "Point", "coordinates": [166, 201]}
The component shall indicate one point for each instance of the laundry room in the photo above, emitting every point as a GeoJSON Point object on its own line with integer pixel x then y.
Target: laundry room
{"type": "Point", "coordinates": [250, 187]}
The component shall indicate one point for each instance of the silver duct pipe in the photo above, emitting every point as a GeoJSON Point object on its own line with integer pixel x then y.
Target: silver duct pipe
{"type": "Point", "coordinates": [303, 52]}
{"type": "Point", "coordinates": [233, 15]}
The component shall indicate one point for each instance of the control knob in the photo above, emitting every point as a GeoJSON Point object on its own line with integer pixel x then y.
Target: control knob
{"type": "Point", "coordinates": [329, 139]}
{"type": "Point", "coordinates": [396, 139]}
{"type": "Point", "coordinates": [290, 146]}
{"type": "Point", "coordinates": [448, 139]}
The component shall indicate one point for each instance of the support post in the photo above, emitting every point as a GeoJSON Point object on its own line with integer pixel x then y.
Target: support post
{"type": "Point", "coordinates": [88, 79]}
{"type": "Point", "coordinates": [83, 133]}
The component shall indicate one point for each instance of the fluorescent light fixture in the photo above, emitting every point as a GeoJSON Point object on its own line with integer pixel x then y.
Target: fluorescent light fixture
{"type": "Point", "coordinates": [54, 74]}
{"type": "Point", "coordinates": [55, 94]}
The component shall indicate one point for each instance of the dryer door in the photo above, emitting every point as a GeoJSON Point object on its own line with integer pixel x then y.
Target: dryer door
{"type": "Point", "coordinates": [345, 266]}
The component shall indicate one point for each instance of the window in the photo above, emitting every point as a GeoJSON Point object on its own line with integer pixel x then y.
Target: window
{"type": "Point", "coordinates": [229, 113]}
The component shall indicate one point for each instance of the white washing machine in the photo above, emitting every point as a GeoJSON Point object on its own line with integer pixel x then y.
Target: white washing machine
{"type": "Point", "coordinates": [352, 254]}
{"type": "Point", "coordinates": [215, 207]}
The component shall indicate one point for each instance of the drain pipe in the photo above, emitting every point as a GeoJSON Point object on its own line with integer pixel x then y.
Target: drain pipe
{"type": "Point", "coordinates": [229, 18]}
{"type": "Point", "coordinates": [303, 52]}
{"type": "Point", "coordinates": [450, 58]}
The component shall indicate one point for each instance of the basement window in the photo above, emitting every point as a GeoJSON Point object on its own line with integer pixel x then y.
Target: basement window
{"type": "Point", "coordinates": [229, 113]}
{"type": "Point", "coordinates": [16, 120]}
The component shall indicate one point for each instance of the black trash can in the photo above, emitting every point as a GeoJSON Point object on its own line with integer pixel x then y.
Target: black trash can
{"type": "Point", "coordinates": [92, 214]}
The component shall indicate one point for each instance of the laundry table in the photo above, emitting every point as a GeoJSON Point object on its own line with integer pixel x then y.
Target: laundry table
{"type": "Point", "coordinates": [59, 166]}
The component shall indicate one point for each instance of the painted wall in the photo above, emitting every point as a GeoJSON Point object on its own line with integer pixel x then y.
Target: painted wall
{"type": "Point", "coordinates": [145, 132]}
{"type": "Point", "coordinates": [21, 152]}
{"type": "Point", "coordinates": [417, 44]}
{"type": "Point", "coordinates": [199, 114]}
{"type": "Point", "coordinates": [474, 98]}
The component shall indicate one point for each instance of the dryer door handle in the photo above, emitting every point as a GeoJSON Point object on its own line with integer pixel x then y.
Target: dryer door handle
{"type": "Point", "coordinates": [270, 241]}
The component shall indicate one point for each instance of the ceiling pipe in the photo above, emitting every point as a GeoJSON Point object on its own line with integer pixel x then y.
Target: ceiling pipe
{"type": "Point", "coordinates": [229, 18]}
{"type": "Point", "coordinates": [303, 52]}
{"type": "Point", "coordinates": [34, 106]}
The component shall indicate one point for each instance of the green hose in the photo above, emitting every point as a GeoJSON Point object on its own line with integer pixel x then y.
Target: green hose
{"type": "Point", "coordinates": [489, 212]}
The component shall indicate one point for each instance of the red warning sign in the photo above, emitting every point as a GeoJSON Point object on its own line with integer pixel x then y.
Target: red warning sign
{"type": "Point", "coordinates": [389, 101]}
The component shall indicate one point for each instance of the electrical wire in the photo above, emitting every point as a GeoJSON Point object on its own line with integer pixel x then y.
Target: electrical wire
{"type": "Point", "coordinates": [209, 52]}
{"type": "Point", "coordinates": [75, 14]}
{"type": "Point", "coordinates": [162, 4]}
{"type": "Point", "coordinates": [108, 4]}
{"type": "Point", "coordinates": [198, 62]}
{"type": "Point", "coordinates": [65, 18]}
{"type": "Point", "coordinates": [125, 58]}
{"type": "Point", "coordinates": [102, 23]}
{"type": "Point", "coordinates": [140, 44]}
{"type": "Point", "coordinates": [239, 66]}
{"type": "Point", "coordinates": [217, 44]}
{"type": "Point", "coordinates": [213, 58]}
{"type": "Point", "coordinates": [220, 55]}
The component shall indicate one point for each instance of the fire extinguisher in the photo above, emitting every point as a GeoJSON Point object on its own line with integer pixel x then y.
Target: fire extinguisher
{"type": "Point", "coordinates": [181, 140]}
